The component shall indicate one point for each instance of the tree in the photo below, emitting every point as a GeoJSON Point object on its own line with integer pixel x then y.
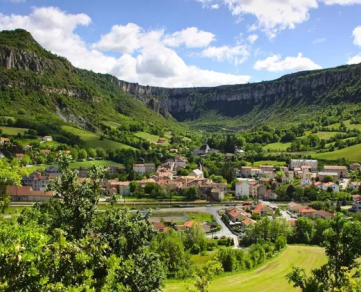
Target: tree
{"type": "Point", "coordinates": [25, 160]}
{"type": "Point", "coordinates": [205, 274]}
{"type": "Point", "coordinates": [228, 172]}
{"type": "Point", "coordinates": [133, 186]}
{"type": "Point", "coordinates": [74, 153]}
{"type": "Point", "coordinates": [40, 159]}
{"type": "Point", "coordinates": [91, 152]}
{"type": "Point", "coordinates": [304, 230]}
{"type": "Point", "coordinates": [341, 241]}
{"type": "Point", "coordinates": [10, 175]}
{"type": "Point", "coordinates": [50, 158]}
{"type": "Point", "coordinates": [101, 152]}
{"type": "Point", "coordinates": [328, 178]}
{"type": "Point", "coordinates": [191, 193]}
{"type": "Point", "coordinates": [82, 154]}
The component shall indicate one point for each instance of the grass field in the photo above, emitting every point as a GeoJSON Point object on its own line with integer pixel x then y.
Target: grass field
{"type": "Point", "coordinates": [277, 146]}
{"type": "Point", "coordinates": [268, 278]}
{"type": "Point", "coordinates": [269, 162]}
{"type": "Point", "coordinates": [352, 153]}
{"type": "Point", "coordinates": [77, 164]}
{"type": "Point", "coordinates": [151, 138]}
{"type": "Point", "coordinates": [93, 140]}
{"type": "Point", "coordinates": [111, 124]}
{"type": "Point", "coordinates": [50, 145]}
{"type": "Point", "coordinates": [13, 131]}
{"type": "Point", "coordinates": [196, 216]}
{"type": "Point", "coordinates": [326, 135]}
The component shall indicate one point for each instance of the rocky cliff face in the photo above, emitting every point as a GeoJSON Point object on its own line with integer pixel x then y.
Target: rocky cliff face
{"type": "Point", "coordinates": [233, 100]}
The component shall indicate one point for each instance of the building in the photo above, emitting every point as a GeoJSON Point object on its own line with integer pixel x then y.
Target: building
{"type": "Point", "coordinates": [306, 179]}
{"type": "Point", "coordinates": [335, 187]}
{"type": "Point", "coordinates": [246, 171]}
{"type": "Point", "coordinates": [355, 185]}
{"type": "Point", "coordinates": [306, 168]}
{"type": "Point", "coordinates": [36, 181]}
{"type": "Point", "coordinates": [236, 214]}
{"type": "Point", "coordinates": [243, 187]}
{"type": "Point", "coordinates": [297, 163]}
{"type": "Point", "coordinates": [52, 170]}
{"type": "Point", "coordinates": [27, 148]}
{"type": "Point", "coordinates": [47, 139]}
{"type": "Point", "coordinates": [45, 151]}
{"type": "Point", "coordinates": [339, 169]}
{"type": "Point", "coordinates": [217, 194]}
{"type": "Point", "coordinates": [118, 187]}
{"type": "Point", "coordinates": [204, 149]}
{"type": "Point", "coordinates": [269, 195]}
{"type": "Point", "coordinates": [355, 166]}
{"type": "Point", "coordinates": [112, 169]}
{"type": "Point", "coordinates": [144, 168]}
{"type": "Point", "coordinates": [306, 211]}
{"type": "Point", "coordinates": [19, 156]}
{"type": "Point", "coordinates": [26, 193]}
{"type": "Point", "coordinates": [268, 174]}
{"type": "Point", "coordinates": [323, 174]}
{"type": "Point", "coordinates": [256, 172]}
{"type": "Point", "coordinates": [180, 162]}
{"type": "Point", "coordinates": [266, 168]}
{"type": "Point", "coordinates": [324, 214]}
{"type": "Point", "coordinates": [4, 141]}
{"type": "Point", "coordinates": [196, 173]}
{"type": "Point", "coordinates": [257, 190]}
{"type": "Point", "coordinates": [294, 207]}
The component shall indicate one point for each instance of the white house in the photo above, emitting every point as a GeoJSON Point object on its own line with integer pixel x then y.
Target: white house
{"type": "Point", "coordinates": [335, 187]}
{"type": "Point", "coordinates": [47, 139]}
{"type": "Point", "coordinates": [243, 187]}
{"type": "Point", "coordinates": [297, 163]}
{"type": "Point", "coordinates": [355, 185]}
{"type": "Point", "coordinates": [197, 173]}
{"type": "Point", "coordinates": [144, 168]}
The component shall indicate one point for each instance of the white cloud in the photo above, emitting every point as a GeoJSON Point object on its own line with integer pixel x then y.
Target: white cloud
{"type": "Point", "coordinates": [341, 2]}
{"type": "Point", "coordinates": [318, 41]}
{"type": "Point", "coordinates": [236, 54]}
{"type": "Point", "coordinates": [357, 36]}
{"type": "Point", "coordinates": [355, 59]}
{"type": "Point", "coordinates": [16, 1]}
{"type": "Point", "coordinates": [274, 16]}
{"type": "Point", "coordinates": [252, 38]}
{"type": "Point", "coordinates": [275, 63]}
{"type": "Point", "coordinates": [215, 6]}
{"type": "Point", "coordinates": [154, 64]}
{"type": "Point", "coordinates": [191, 37]}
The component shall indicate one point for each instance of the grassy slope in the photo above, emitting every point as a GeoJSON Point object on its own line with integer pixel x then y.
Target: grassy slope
{"type": "Point", "coordinates": [12, 130]}
{"type": "Point", "coordinates": [78, 164]}
{"type": "Point", "coordinates": [151, 138]}
{"type": "Point", "coordinates": [268, 278]}
{"type": "Point", "coordinates": [351, 153]}
{"type": "Point", "coordinates": [269, 162]}
{"type": "Point", "coordinates": [277, 146]}
{"type": "Point", "coordinates": [93, 140]}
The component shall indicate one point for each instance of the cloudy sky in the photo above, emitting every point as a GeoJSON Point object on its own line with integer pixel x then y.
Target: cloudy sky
{"type": "Point", "coordinates": [186, 43]}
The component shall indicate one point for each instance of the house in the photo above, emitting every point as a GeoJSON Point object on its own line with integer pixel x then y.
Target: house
{"type": "Point", "coordinates": [180, 161]}
{"type": "Point", "coordinates": [161, 141]}
{"type": "Point", "coordinates": [262, 210]}
{"type": "Point", "coordinates": [112, 169]}
{"type": "Point", "coordinates": [229, 156]}
{"type": "Point", "coordinates": [36, 180]}
{"type": "Point", "coordinates": [324, 214]}
{"type": "Point", "coordinates": [47, 139]}
{"type": "Point", "coordinates": [144, 168]}
{"type": "Point", "coordinates": [27, 148]}
{"type": "Point", "coordinates": [51, 170]}
{"type": "Point", "coordinates": [159, 226]}
{"type": "Point", "coordinates": [265, 180]}
{"type": "Point", "coordinates": [297, 163]}
{"type": "Point", "coordinates": [323, 174]}
{"type": "Point", "coordinates": [257, 190]}
{"type": "Point", "coordinates": [26, 193]}
{"type": "Point", "coordinates": [246, 171]}
{"type": "Point", "coordinates": [306, 178]}
{"type": "Point", "coordinates": [306, 211]}
{"type": "Point", "coordinates": [290, 175]}
{"type": "Point", "coordinates": [355, 185]}
{"type": "Point", "coordinates": [243, 187]}
{"type": "Point", "coordinates": [269, 195]}
{"type": "Point", "coordinates": [268, 174]}
{"type": "Point", "coordinates": [4, 141]}
{"type": "Point", "coordinates": [236, 214]}
{"type": "Point", "coordinates": [118, 187]}
{"type": "Point", "coordinates": [247, 222]}
{"type": "Point", "coordinates": [335, 187]}
{"type": "Point", "coordinates": [339, 169]}
{"type": "Point", "coordinates": [19, 155]}
{"type": "Point", "coordinates": [294, 207]}
{"type": "Point", "coordinates": [45, 151]}
{"type": "Point", "coordinates": [318, 184]}
{"type": "Point", "coordinates": [173, 150]}
{"type": "Point", "coordinates": [256, 172]}
{"type": "Point", "coordinates": [266, 168]}
{"type": "Point", "coordinates": [217, 194]}
{"type": "Point", "coordinates": [355, 166]}
{"type": "Point", "coordinates": [197, 173]}
{"type": "Point", "coordinates": [204, 149]}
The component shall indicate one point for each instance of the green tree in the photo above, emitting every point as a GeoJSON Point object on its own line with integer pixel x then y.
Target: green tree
{"type": "Point", "coordinates": [304, 230]}
{"type": "Point", "coordinates": [91, 152]}
{"type": "Point", "coordinates": [74, 153]}
{"type": "Point", "coordinates": [25, 160]}
{"type": "Point", "coordinates": [328, 178]}
{"type": "Point", "coordinates": [191, 193]}
{"type": "Point", "coordinates": [101, 152]}
{"type": "Point", "coordinates": [82, 154]}
{"type": "Point", "coordinates": [50, 158]}
{"type": "Point", "coordinates": [205, 274]}
{"type": "Point", "coordinates": [133, 186]}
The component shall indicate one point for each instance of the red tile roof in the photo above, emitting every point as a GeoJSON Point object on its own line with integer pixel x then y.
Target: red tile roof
{"type": "Point", "coordinates": [158, 225]}
{"type": "Point", "coordinates": [189, 223]}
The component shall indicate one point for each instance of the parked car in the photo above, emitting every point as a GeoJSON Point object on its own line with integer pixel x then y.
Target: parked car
{"type": "Point", "coordinates": [223, 237]}
{"type": "Point", "coordinates": [234, 204]}
{"type": "Point", "coordinates": [216, 237]}
{"type": "Point", "coordinates": [208, 205]}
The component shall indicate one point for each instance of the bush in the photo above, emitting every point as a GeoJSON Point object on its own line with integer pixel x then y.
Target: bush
{"type": "Point", "coordinates": [195, 249]}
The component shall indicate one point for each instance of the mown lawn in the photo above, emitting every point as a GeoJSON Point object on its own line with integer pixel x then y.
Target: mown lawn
{"type": "Point", "coordinates": [277, 146]}
{"type": "Point", "coordinates": [352, 153]}
{"type": "Point", "coordinates": [111, 124]}
{"type": "Point", "coordinates": [13, 131]}
{"type": "Point", "coordinates": [268, 278]}
{"type": "Point", "coordinates": [93, 140]}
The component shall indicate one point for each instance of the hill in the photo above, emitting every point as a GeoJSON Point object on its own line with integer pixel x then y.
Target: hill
{"type": "Point", "coordinates": [42, 91]}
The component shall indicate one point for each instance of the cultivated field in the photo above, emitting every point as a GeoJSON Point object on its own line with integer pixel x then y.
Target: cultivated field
{"type": "Point", "coordinates": [268, 278]}
{"type": "Point", "coordinates": [151, 138]}
{"type": "Point", "coordinates": [277, 146]}
{"type": "Point", "coordinates": [13, 131]}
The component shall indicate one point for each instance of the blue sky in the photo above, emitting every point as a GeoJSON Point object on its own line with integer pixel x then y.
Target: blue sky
{"type": "Point", "coordinates": [185, 43]}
